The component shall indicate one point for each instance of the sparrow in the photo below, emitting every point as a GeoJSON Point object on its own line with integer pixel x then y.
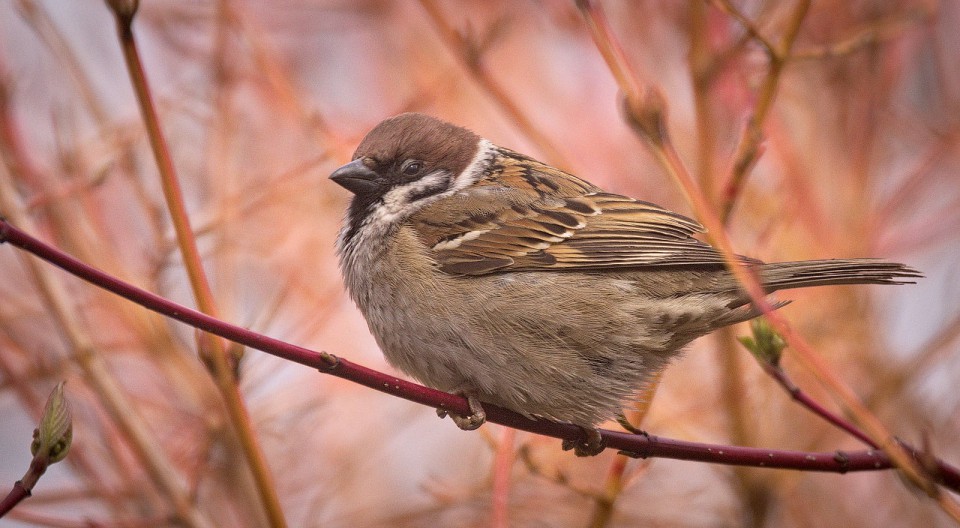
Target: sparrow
{"type": "Point", "coordinates": [483, 272]}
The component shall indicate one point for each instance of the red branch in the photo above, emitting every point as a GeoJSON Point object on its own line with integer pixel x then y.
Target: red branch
{"type": "Point", "coordinates": [17, 494]}
{"type": "Point", "coordinates": [640, 445]}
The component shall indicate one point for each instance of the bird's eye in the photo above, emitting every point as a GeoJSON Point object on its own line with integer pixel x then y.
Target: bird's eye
{"type": "Point", "coordinates": [411, 167]}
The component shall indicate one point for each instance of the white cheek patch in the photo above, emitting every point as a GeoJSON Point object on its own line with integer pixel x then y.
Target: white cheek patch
{"type": "Point", "coordinates": [474, 171]}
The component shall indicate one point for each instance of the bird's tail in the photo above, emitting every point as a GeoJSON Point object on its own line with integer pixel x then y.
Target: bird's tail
{"type": "Point", "coordinates": [805, 273]}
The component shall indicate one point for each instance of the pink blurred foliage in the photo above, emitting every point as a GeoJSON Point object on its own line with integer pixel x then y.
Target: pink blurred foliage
{"type": "Point", "coordinates": [261, 101]}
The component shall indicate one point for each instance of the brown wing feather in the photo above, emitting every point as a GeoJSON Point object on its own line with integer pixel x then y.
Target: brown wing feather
{"type": "Point", "coordinates": [529, 216]}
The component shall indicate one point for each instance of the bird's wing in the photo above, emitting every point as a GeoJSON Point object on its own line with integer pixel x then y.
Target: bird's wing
{"type": "Point", "coordinates": [530, 216]}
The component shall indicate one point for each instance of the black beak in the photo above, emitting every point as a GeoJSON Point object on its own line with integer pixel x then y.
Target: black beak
{"type": "Point", "coordinates": [356, 177]}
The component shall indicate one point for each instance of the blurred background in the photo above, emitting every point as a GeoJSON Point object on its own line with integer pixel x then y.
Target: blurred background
{"type": "Point", "coordinates": [260, 101]}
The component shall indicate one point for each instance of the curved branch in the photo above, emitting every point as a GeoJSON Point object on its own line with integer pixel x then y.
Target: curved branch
{"type": "Point", "coordinates": [638, 445]}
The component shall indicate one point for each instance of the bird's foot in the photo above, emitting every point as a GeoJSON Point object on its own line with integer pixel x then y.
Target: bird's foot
{"type": "Point", "coordinates": [590, 443]}
{"type": "Point", "coordinates": [471, 422]}
{"type": "Point", "coordinates": [622, 420]}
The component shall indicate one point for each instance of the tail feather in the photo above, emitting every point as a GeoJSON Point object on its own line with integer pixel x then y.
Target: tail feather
{"type": "Point", "coordinates": [802, 274]}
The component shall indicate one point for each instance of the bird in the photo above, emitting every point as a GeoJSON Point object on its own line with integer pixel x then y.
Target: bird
{"type": "Point", "coordinates": [483, 272]}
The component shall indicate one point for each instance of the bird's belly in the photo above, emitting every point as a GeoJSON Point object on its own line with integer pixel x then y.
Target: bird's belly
{"type": "Point", "coordinates": [519, 342]}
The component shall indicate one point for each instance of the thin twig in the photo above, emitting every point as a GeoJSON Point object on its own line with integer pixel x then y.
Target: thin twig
{"type": "Point", "coordinates": [702, 73]}
{"type": "Point", "coordinates": [798, 395]}
{"type": "Point", "coordinates": [752, 30]}
{"type": "Point", "coordinates": [872, 34]}
{"type": "Point", "coordinates": [216, 359]}
{"type": "Point", "coordinates": [748, 147]}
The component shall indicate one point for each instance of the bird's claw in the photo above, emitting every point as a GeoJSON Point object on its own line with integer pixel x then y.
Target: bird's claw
{"type": "Point", "coordinates": [468, 423]}
{"type": "Point", "coordinates": [590, 443]}
{"type": "Point", "coordinates": [622, 420]}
